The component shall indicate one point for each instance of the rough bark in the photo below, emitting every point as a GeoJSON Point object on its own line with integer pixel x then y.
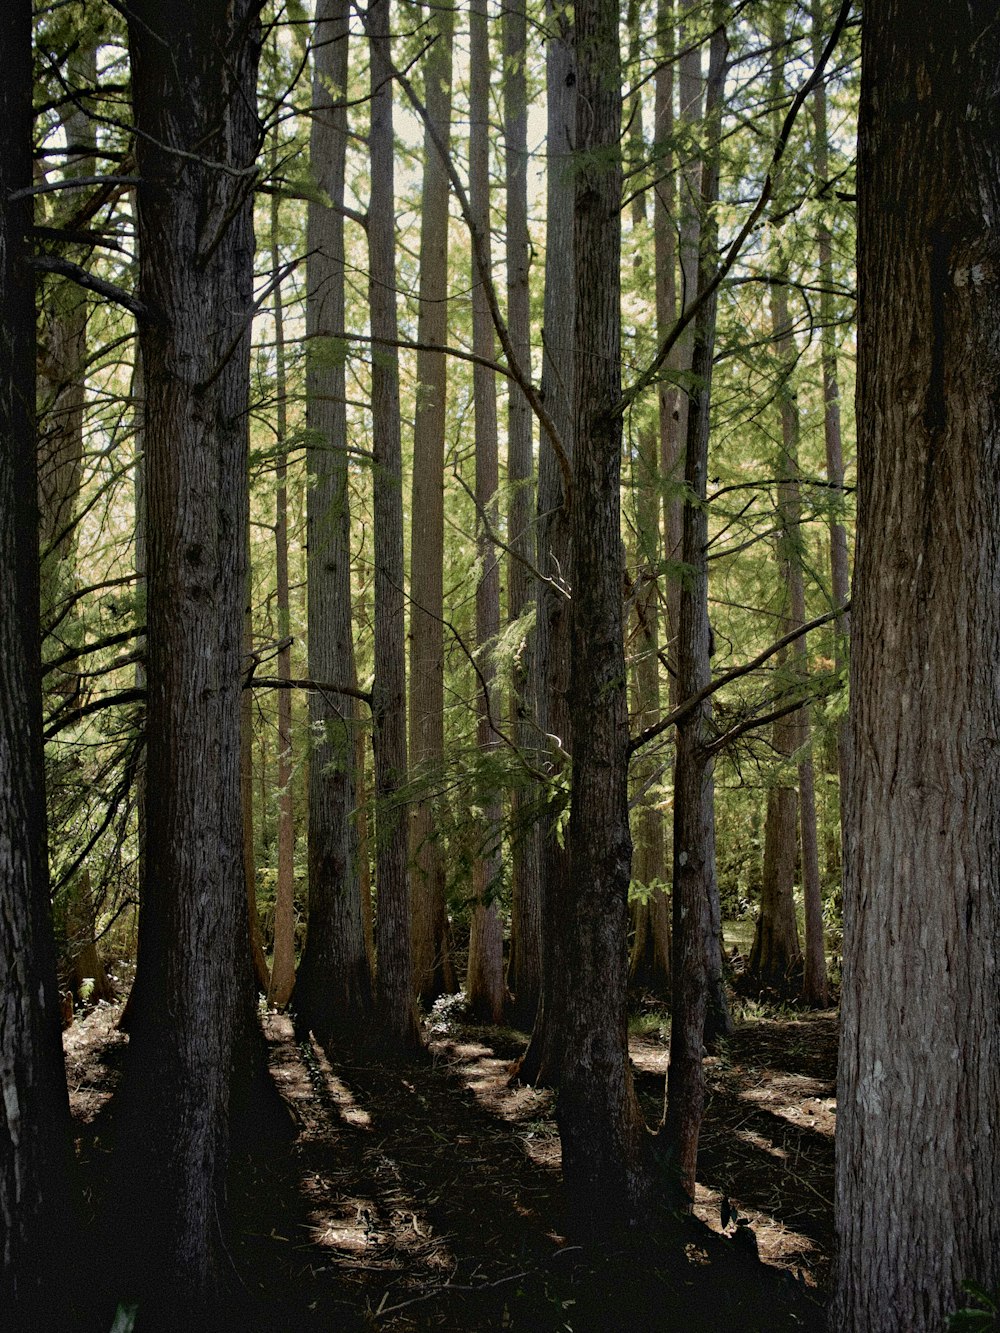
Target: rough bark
{"type": "Point", "coordinates": [433, 971]}
{"type": "Point", "coordinates": [604, 1140]}
{"type": "Point", "coordinates": [394, 971]}
{"type": "Point", "coordinates": [34, 1121]}
{"type": "Point", "coordinates": [918, 1173]}
{"type": "Point", "coordinates": [194, 76]}
{"type": "Point", "coordinates": [333, 989]}
{"type": "Point", "coordinates": [695, 900]}
{"type": "Point", "coordinates": [485, 986]}
{"type": "Point", "coordinates": [541, 1061]}
{"type": "Point", "coordinates": [524, 971]}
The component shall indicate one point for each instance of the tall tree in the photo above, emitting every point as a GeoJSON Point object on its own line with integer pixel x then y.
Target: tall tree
{"type": "Point", "coordinates": [486, 989]}
{"type": "Point", "coordinates": [394, 971]}
{"type": "Point", "coordinates": [695, 931]}
{"type": "Point", "coordinates": [194, 96]}
{"type": "Point", "coordinates": [550, 661]}
{"type": "Point", "coordinates": [34, 1122]}
{"type": "Point", "coordinates": [333, 991]}
{"type": "Point", "coordinates": [600, 1124]}
{"type": "Point", "coordinates": [433, 971]}
{"type": "Point", "coordinates": [524, 972]}
{"type": "Point", "coordinates": [918, 1173]}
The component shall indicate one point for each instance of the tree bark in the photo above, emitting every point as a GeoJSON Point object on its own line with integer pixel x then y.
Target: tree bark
{"type": "Point", "coordinates": [34, 1121]}
{"type": "Point", "coordinates": [194, 83]}
{"type": "Point", "coordinates": [918, 1173]}
{"type": "Point", "coordinates": [695, 902]}
{"type": "Point", "coordinates": [433, 970]}
{"type": "Point", "coordinates": [485, 986]}
{"type": "Point", "coordinates": [394, 971]}
{"type": "Point", "coordinates": [333, 989]}
{"type": "Point", "coordinates": [524, 971]}
{"type": "Point", "coordinates": [604, 1140]}
{"type": "Point", "coordinates": [542, 1059]}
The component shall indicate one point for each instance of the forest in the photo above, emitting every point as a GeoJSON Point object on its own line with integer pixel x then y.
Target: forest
{"type": "Point", "coordinates": [499, 665]}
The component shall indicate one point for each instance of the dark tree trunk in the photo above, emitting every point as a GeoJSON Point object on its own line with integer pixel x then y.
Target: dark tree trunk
{"type": "Point", "coordinates": [394, 970]}
{"type": "Point", "coordinates": [194, 93]}
{"type": "Point", "coordinates": [433, 971]}
{"type": "Point", "coordinates": [524, 972]}
{"type": "Point", "coordinates": [34, 1119]}
{"type": "Point", "coordinates": [333, 991]}
{"type": "Point", "coordinates": [550, 663]}
{"type": "Point", "coordinates": [604, 1139]}
{"type": "Point", "coordinates": [918, 1172]}
{"type": "Point", "coordinates": [696, 973]}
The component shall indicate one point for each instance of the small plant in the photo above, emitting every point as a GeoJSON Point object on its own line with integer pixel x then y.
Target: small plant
{"type": "Point", "coordinates": [979, 1317]}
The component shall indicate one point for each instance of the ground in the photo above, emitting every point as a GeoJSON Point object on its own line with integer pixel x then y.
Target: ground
{"type": "Point", "coordinates": [429, 1197]}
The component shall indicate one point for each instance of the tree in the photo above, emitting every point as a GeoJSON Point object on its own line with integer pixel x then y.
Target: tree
{"type": "Point", "coordinates": [918, 1173]}
{"type": "Point", "coordinates": [34, 1123]}
{"type": "Point", "coordinates": [433, 971]}
{"type": "Point", "coordinates": [394, 970]}
{"type": "Point", "coordinates": [603, 1136]}
{"type": "Point", "coordinates": [194, 97]}
{"type": "Point", "coordinates": [333, 990]}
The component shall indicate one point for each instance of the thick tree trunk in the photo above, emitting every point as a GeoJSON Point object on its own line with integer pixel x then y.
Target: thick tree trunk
{"type": "Point", "coordinates": [433, 971]}
{"type": "Point", "coordinates": [394, 971]}
{"type": "Point", "coordinates": [541, 1061]}
{"type": "Point", "coordinates": [34, 1120]}
{"type": "Point", "coordinates": [918, 1172]}
{"type": "Point", "coordinates": [333, 989]}
{"type": "Point", "coordinates": [696, 972]}
{"type": "Point", "coordinates": [604, 1139]}
{"type": "Point", "coordinates": [524, 971]}
{"type": "Point", "coordinates": [194, 78]}
{"type": "Point", "coordinates": [485, 985]}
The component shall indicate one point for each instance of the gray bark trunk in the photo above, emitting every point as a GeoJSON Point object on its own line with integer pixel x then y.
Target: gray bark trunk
{"type": "Point", "coordinates": [918, 1172]}
{"type": "Point", "coordinates": [333, 990]}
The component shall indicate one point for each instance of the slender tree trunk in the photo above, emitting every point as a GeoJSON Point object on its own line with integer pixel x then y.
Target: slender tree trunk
{"type": "Point", "coordinates": [333, 990]}
{"type": "Point", "coordinates": [696, 942]}
{"type": "Point", "coordinates": [542, 1060]}
{"type": "Point", "coordinates": [34, 1121]}
{"type": "Point", "coordinates": [394, 973]}
{"type": "Point", "coordinates": [918, 1173]}
{"type": "Point", "coordinates": [524, 972]}
{"type": "Point", "coordinates": [194, 77]}
{"type": "Point", "coordinates": [283, 960]}
{"type": "Point", "coordinates": [433, 971]}
{"type": "Point", "coordinates": [486, 990]}
{"type": "Point", "coordinates": [603, 1136]}
{"type": "Point", "coordinates": [649, 965]}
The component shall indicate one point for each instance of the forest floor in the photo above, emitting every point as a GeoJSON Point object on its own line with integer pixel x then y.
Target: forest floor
{"type": "Point", "coordinates": [429, 1197]}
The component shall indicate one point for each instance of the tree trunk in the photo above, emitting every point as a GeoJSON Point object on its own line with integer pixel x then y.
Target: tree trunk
{"type": "Point", "coordinates": [333, 989]}
{"type": "Point", "coordinates": [433, 971]}
{"type": "Point", "coordinates": [918, 1173]}
{"type": "Point", "coordinates": [394, 972]}
{"type": "Point", "coordinates": [34, 1121]}
{"type": "Point", "coordinates": [524, 971]}
{"type": "Point", "coordinates": [283, 959]}
{"type": "Point", "coordinates": [485, 986]}
{"type": "Point", "coordinates": [695, 902]}
{"type": "Point", "coordinates": [604, 1139]}
{"type": "Point", "coordinates": [194, 77]}
{"type": "Point", "coordinates": [541, 1061]}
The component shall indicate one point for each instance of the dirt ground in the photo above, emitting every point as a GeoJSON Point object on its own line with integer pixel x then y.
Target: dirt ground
{"type": "Point", "coordinates": [429, 1197]}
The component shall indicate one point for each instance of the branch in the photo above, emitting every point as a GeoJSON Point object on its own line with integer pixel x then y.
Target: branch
{"type": "Point", "coordinates": [689, 706]}
{"type": "Point", "coordinates": [109, 290]}
{"type": "Point", "coordinates": [650, 374]}
{"type": "Point", "coordinates": [322, 686]}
